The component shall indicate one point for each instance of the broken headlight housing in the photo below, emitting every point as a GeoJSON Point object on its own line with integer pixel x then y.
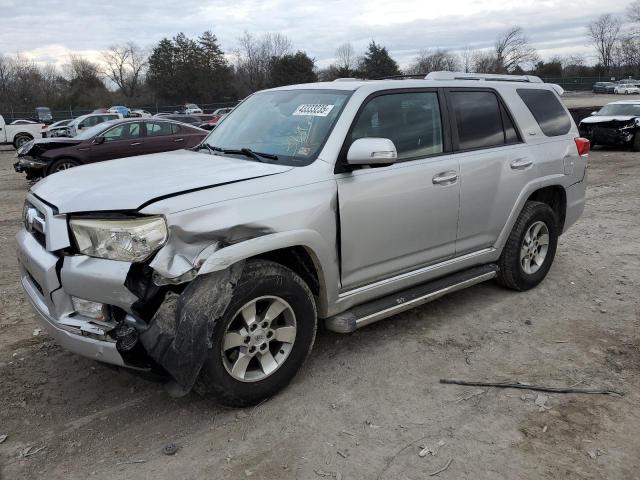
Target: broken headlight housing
{"type": "Point", "coordinates": [128, 240]}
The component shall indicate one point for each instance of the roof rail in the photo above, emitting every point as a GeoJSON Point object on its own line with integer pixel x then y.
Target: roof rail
{"type": "Point", "coordinates": [348, 79]}
{"type": "Point", "coordinates": [403, 76]}
{"type": "Point", "coordinates": [489, 77]}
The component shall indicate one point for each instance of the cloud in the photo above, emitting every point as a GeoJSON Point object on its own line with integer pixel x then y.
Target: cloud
{"type": "Point", "coordinates": [48, 30]}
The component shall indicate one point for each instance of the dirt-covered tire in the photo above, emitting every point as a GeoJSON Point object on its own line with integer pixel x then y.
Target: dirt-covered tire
{"type": "Point", "coordinates": [21, 139]}
{"type": "Point", "coordinates": [268, 286]}
{"type": "Point", "coordinates": [62, 164]}
{"type": "Point", "coordinates": [530, 248]}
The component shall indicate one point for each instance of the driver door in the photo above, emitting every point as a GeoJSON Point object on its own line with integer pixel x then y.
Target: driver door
{"type": "Point", "coordinates": [122, 140]}
{"type": "Point", "coordinates": [403, 216]}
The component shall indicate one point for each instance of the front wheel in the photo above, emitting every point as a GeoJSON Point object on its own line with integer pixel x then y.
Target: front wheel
{"type": "Point", "coordinates": [60, 165]}
{"type": "Point", "coordinates": [20, 140]}
{"type": "Point", "coordinates": [263, 338]}
{"type": "Point", "coordinates": [530, 248]}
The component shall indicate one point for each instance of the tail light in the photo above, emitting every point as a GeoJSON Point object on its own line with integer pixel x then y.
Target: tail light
{"type": "Point", "coordinates": [583, 146]}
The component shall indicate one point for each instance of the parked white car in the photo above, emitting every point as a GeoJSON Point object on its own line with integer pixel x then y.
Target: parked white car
{"type": "Point", "coordinates": [190, 109]}
{"type": "Point", "coordinates": [89, 120]}
{"type": "Point", "coordinates": [626, 89]}
{"type": "Point", "coordinates": [19, 134]}
{"type": "Point", "coordinates": [57, 129]}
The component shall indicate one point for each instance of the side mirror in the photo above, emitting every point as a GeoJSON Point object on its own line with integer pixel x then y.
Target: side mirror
{"type": "Point", "coordinates": [99, 140]}
{"type": "Point", "coordinates": [372, 151]}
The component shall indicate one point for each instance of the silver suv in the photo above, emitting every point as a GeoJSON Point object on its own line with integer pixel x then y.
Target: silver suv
{"type": "Point", "coordinates": [344, 202]}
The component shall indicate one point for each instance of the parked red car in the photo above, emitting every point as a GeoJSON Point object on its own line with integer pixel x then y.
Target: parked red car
{"type": "Point", "coordinates": [106, 141]}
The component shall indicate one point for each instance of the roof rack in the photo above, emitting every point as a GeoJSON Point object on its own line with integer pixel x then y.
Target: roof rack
{"type": "Point", "coordinates": [348, 79]}
{"type": "Point", "coordinates": [488, 77]}
{"type": "Point", "coordinates": [401, 77]}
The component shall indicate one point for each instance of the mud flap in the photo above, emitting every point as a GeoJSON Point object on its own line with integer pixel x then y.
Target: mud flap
{"type": "Point", "coordinates": [180, 332]}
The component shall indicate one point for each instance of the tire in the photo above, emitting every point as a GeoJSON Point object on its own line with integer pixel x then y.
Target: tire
{"type": "Point", "coordinates": [512, 267]}
{"type": "Point", "coordinates": [635, 143]}
{"type": "Point", "coordinates": [62, 164]}
{"type": "Point", "coordinates": [265, 282]}
{"type": "Point", "coordinates": [20, 140]}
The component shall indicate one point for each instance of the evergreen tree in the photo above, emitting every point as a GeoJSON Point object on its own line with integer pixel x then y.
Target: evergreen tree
{"type": "Point", "coordinates": [291, 69]}
{"type": "Point", "coordinates": [377, 63]}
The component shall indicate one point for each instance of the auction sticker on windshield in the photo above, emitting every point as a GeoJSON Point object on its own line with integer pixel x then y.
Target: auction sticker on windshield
{"type": "Point", "coordinates": [313, 109]}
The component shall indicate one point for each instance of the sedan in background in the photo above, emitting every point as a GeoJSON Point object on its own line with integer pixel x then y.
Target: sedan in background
{"type": "Point", "coordinates": [122, 110]}
{"type": "Point", "coordinates": [77, 125]}
{"type": "Point", "coordinates": [189, 119]}
{"type": "Point", "coordinates": [626, 89]}
{"type": "Point", "coordinates": [603, 87]}
{"type": "Point", "coordinates": [216, 117]}
{"type": "Point", "coordinates": [106, 141]}
{"type": "Point", "coordinates": [616, 123]}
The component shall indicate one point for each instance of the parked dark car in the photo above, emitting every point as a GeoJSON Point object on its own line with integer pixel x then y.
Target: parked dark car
{"type": "Point", "coordinates": [190, 119]}
{"type": "Point", "coordinates": [603, 87]}
{"type": "Point", "coordinates": [105, 141]}
{"type": "Point", "coordinates": [617, 123]}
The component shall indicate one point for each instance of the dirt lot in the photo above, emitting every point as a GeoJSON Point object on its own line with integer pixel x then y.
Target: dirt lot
{"type": "Point", "coordinates": [366, 404]}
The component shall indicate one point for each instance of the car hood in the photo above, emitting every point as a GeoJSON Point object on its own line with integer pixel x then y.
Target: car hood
{"type": "Point", "coordinates": [129, 183]}
{"type": "Point", "coordinates": [607, 118]}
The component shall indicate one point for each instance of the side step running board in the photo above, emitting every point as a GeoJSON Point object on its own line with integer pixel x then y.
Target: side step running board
{"type": "Point", "coordinates": [384, 307]}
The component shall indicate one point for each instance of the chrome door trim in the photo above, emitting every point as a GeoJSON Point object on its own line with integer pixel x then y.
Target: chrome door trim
{"type": "Point", "coordinates": [413, 273]}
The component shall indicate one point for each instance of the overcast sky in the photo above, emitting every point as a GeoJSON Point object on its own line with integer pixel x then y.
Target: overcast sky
{"type": "Point", "coordinates": [48, 30]}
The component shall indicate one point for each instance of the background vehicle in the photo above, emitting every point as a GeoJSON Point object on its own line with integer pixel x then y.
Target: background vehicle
{"type": "Point", "coordinates": [338, 201]}
{"type": "Point", "coordinates": [22, 122]}
{"type": "Point", "coordinates": [18, 135]}
{"type": "Point", "coordinates": [603, 87]}
{"type": "Point", "coordinates": [218, 115]}
{"type": "Point", "coordinates": [137, 113]}
{"type": "Point", "coordinates": [77, 125]}
{"type": "Point", "coordinates": [105, 141]}
{"type": "Point", "coordinates": [43, 115]}
{"type": "Point", "coordinates": [124, 111]}
{"type": "Point", "coordinates": [57, 129]}
{"type": "Point", "coordinates": [616, 123]}
{"type": "Point", "coordinates": [626, 89]}
{"type": "Point", "coordinates": [189, 109]}
{"type": "Point", "coordinates": [190, 119]}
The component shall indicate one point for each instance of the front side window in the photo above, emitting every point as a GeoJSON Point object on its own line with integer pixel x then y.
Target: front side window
{"type": "Point", "coordinates": [410, 120]}
{"type": "Point", "coordinates": [478, 118]}
{"type": "Point", "coordinates": [546, 108]}
{"type": "Point", "coordinates": [124, 131]}
{"type": "Point", "coordinates": [291, 124]}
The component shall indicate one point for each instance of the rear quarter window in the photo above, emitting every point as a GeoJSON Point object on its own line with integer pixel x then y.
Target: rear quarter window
{"type": "Point", "coordinates": [547, 110]}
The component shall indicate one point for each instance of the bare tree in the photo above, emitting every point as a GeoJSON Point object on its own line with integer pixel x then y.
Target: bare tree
{"type": "Point", "coordinates": [484, 61]}
{"type": "Point", "coordinates": [433, 61]}
{"type": "Point", "coordinates": [346, 59]}
{"type": "Point", "coordinates": [255, 55]}
{"type": "Point", "coordinates": [604, 32]}
{"type": "Point", "coordinates": [512, 50]}
{"type": "Point", "coordinates": [124, 65]}
{"type": "Point", "coordinates": [466, 57]}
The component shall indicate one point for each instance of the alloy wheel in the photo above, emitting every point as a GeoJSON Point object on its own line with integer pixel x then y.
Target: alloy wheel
{"type": "Point", "coordinates": [535, 245]}
{"type": "Point", "coordinates": [259, 339]}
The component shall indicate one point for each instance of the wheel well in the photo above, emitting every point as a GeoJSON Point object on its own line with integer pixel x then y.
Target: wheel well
{"type": "Point", "coordinates": [300, 261]}
{"type": "Point", "coordinates": [556, 197]}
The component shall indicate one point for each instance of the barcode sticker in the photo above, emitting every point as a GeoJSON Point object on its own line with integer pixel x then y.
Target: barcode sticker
{"type": "Point", "coordinates": [313, 109]}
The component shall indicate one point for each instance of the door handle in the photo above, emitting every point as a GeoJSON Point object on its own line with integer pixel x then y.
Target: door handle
{"type": "Point", "coordinates": [445, 178]}
{"type": "Point", "coordinates": [136, 143]}
{"type": "Point", "coordinates": [179, 140]}
{"type": "Point", "coordinates": [521, 163]}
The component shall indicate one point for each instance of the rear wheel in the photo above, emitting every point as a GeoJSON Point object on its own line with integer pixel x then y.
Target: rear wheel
{"type": "Point", "coordinates": [20, 140]}
{"type": "Point", "coordinates": [62, 164]}
{"type": "Point", "coordinates": [263, 338]}
{"type": "Point", "coordinates": [530, 249]}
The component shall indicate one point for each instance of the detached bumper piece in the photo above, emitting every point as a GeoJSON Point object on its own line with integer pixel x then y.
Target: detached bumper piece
{"type": "Point", "coordinates": [25, 164]}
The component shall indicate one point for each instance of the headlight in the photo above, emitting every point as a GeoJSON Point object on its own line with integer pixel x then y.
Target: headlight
{"type": "Point", "coordinates": [130, 240]}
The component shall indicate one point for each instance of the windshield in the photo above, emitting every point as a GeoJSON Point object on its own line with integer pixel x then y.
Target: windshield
{"type": "Point", "coordinates": [292, 124]}
{"type": "Point", "coordinates": [620, 109]}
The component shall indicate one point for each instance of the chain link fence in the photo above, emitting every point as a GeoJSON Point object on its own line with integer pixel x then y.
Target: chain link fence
{"type": "Point", "coordinates": [18, 113]}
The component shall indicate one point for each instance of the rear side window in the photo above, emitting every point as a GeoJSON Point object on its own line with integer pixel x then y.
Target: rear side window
{"type": "Point", "coordinates": [547, 110]}
{"type": "Point", "coordinates": [481, 120]}
{"type": "Point", "coordinates": [159, 129]}
{"type": "Point", "coordinates": [410, 120]}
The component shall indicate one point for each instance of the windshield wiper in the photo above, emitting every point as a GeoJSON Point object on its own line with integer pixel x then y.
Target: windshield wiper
{"type": "Point", "coordinates": [247, 152]}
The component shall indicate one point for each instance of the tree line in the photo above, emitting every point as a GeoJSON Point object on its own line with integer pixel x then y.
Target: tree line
{"type": "Point", "coordinates": [182, 69]}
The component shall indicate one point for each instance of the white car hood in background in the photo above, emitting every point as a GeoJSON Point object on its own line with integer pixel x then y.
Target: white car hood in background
{"type": "Point", "coordinates": [607, 118]}
{"type": "Point", "coordinates": [128, 183]}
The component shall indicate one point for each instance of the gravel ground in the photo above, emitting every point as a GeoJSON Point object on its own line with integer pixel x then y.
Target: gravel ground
{"type": "Point", "coordinates": [366, 404]}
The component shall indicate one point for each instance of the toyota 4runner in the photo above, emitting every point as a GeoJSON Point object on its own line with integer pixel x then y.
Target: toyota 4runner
{"type": "Point", "coordinates": [342, 202]}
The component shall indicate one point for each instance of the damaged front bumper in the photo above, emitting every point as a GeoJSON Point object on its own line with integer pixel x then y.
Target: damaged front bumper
{"type": "Point", "coordinates": [25, 164]}
{"type": "Point", "coordinates": [609, 134]}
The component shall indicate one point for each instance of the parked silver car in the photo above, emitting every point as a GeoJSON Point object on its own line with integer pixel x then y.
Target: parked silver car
{"type": "Point", "coordinates": [345, 202]}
